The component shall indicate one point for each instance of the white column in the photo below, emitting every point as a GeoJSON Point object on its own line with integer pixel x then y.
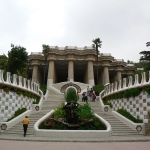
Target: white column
{"type": "Point", "coordinates": [71, 70]}
{"type": "Point", "coordinates": [119, 77]}
{"type": "Point", "coordinates": [90, 73]}
{"type": "Point", "coordinates": [35, 73]}
{"type": "Point", "coordinates": [106, 75]}
{"type": "Point", "coordinates": [50, 79]}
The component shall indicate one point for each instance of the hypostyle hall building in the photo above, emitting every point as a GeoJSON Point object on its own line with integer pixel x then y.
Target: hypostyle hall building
{"type": "Point", "coordinates": [80, 64]}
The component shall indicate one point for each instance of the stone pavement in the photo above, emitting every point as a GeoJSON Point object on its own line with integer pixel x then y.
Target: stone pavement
{"type": "Point", "coordinates": [34, 145]}
{"type": "Point", "coordinates": [18, 137]}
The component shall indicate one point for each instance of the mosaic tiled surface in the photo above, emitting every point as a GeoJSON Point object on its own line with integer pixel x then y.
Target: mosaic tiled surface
{"type": "Point", "coordinates": [10, 102]}
{"type": "Point", "coordinates": [137, 106]}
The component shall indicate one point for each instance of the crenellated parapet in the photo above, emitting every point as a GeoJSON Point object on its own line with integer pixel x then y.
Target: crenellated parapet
{"type": "Point", "coordinates": [127, 83]}
{"type": "Point", "coordinates": [18, 82]}
{"type": "Point", "coordinates": [131, 94]}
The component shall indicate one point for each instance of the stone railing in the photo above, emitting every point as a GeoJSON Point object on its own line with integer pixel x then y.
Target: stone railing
{"type": "Point", "coordinates": [19, 83]}
{"type": "Point", "coordinates": [123, 85]}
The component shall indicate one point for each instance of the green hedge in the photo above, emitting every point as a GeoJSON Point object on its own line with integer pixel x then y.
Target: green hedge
{"type": "Point", "coordinates": [129, 116]}
{"type": "Point", "coordinates": [71, 96]}
{"type": "Point", "coordinates": [98, 89]}
{"type": "Point", "coordinates": [125, 94]}
{"type": "Point", "coordinates": [17, 113]}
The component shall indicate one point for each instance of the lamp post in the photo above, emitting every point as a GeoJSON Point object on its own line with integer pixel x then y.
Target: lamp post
{"type": "Point", "coordinates": [28, 63]}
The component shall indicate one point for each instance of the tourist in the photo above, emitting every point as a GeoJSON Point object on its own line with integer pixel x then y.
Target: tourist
{"type": "Point", "coordinates": [93, 97]}
{"type": "Point", "coordinates": [25, 122]}
{"type": "Point", "coordinates": [88, 91]}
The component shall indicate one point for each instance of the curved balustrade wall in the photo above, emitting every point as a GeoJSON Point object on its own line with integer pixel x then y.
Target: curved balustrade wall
{"type": "Point", "coordinates": [11, 101]}
{"type": "Point", "coordinates": [19, 82]}
{"type": "Point", "coordinates": [138, 106]}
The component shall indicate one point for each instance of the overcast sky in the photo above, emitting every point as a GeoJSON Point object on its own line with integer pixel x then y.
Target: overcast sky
{"type": "Point", "coordinates": [123, 26]}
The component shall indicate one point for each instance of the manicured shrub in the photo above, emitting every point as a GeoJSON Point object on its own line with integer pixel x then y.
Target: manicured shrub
{"type": "Point", "coordinates": [17, 113]}
{"type": "Point", "coordinates": [84, 111]}
{"type": "Point", "coordinates": [43, 89]}
{"type": "Point", "coordinates": [71, 96]}
{"type": "Point", "coordinates": [129, 116]}
{"type": "Point", "coordinates": [98, 89]}
{"type": "Point", "coordinates": [147, 89]}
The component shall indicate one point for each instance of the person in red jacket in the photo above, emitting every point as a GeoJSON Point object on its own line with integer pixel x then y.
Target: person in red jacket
{"type": "Point", "coordinates": [25, 122]}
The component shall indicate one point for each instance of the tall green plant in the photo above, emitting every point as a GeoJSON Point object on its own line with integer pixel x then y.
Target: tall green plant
{"type": "Point", "coordinates": [71, 96]}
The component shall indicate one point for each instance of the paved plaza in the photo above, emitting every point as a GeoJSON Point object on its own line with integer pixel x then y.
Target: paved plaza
{"type": "Point", "coordinates": [35, 145]}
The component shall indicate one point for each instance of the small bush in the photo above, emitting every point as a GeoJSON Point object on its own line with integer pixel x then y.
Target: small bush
{"type": "Point", "coordinates": [59, 113]}
{"type": "Point", "coordinates": [84, 111]}
{"type": "Point", "coordinates": [43, 89]}
{"type": "Point", "coordinates": [147, 89]}
{"type": "Point", "coordinates": [107, 103]}
{"type": "Point", "coordinates": [71, 96]}
{"type": "Point", "coordinates": [37, 101]}
{"type": "Point", "coordinates": [129, 116]}
{"type": "Point", "coordinates": [17, 113]}
{"type": "Point", "coordinates": [98, 89]}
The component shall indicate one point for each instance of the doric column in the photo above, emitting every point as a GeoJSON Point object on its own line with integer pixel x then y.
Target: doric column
{"type": "Point", "coordinates": [50, 79]}
{"type": "Point", "coordinates": [119, 77]}
{"type": "Point", "coordinates": [90, 73]}
{"type": "Point", "coordinates": [71, 70]}
{"type": "Point", "coordinates": [106, 75]}
{"type": "Point", "coordinates": [35, 73]}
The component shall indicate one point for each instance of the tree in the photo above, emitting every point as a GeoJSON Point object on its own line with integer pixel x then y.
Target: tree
{"type": "Point", "coordinates": [97, 43]}
{"type": "Point", "coordinates": [17, 60]}
{"type": "Point", "coordinates": [46, 50]}
{"type": "Point", "coordinates": [145, 59]}
{"type": "Point", "coordinates": [3, 62]}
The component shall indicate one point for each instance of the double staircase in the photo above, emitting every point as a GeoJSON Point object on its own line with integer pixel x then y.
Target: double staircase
{"type": "Point", "coordinates": [54, 99]}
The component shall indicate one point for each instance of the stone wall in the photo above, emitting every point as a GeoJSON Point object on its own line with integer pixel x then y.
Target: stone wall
{"type": "Point", "coordinates": [137, 106]}
{"type": "Point", "coordinates": [10, 102]}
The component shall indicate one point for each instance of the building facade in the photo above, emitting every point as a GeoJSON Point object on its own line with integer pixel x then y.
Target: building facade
{"type": "Point", "coordinates": [79, 64]}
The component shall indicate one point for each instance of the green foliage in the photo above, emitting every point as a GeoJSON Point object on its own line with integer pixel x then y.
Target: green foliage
{"type": "Point", "coordinates": [145, 58]}
{"type": "Point", "coordinates": [36, 101]}
{"type": "Point", "coordinates": [147, 89]}
{"type": "Point", "coordinates": [99, 125]}
{"type": "Point", "coordinates": [129, 116]}
{"type": "Point", "coordinates": [107, 103]}
{"type": "Point", "coordinates": [17, 113]}
{"type": "Point", "coordinates": [59, 113]}
{"type": "Point", "coordinates": [71, 96]}
{"type": "Point", "coordinates": [131, 92]}
{"type": "Point", "coordinates": [84, 111]}
{"type": "Point", "coordinates": [43, 89]}
{"type": "Point", "coordinates": [6, 89]}
{"type": "Point", "coordinates": [17, 59]}
{"type": "Point", "coordinates": [3, 62]}
{"type": "Point", "coordinates": [98, 89]}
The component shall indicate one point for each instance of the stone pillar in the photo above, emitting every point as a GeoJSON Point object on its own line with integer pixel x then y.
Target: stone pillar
{"type": "Point", "coordinates": [119, 77]}
{"type": "Point", "coordinates": [90, 73]}
{"type": "Point", "coordinates": [106, 75]}
{"type": "Point", "coordinates": [35, 73]}
{"type": "Point", "coordinates": [71, 70]}
{"type": "Point", "coordinates": [50, 79]}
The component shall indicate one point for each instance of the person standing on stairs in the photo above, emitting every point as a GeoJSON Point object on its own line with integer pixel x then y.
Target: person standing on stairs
{"type": "Point", "coordinates": [25, 122]}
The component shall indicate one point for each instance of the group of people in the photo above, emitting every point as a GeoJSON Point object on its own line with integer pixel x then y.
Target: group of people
{"type": "Point", "coordinates": [89, 94]}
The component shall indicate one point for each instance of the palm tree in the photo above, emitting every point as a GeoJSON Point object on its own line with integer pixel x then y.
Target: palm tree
{"type": "Point", "coordinates": [97, 43]}
{"type": "Point", "coordinates": [46, 50]}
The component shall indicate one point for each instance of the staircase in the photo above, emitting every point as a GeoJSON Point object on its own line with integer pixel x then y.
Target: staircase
{"type": "Point", "coordinates": [55, 99]}
{"type": "Point", "coordinates": [118, 127]}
